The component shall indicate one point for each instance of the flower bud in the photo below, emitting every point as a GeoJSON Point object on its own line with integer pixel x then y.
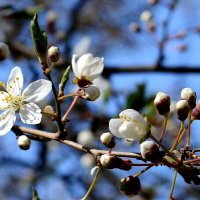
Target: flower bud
{"type": "Point", "coordinates": [196, 112]}
{"type": "Point", "coordinates": [126, 165]}
{"type": "Point", "coordinates": [4, 51]}
{"type": "Point", "coordinates": [150, 151]}
{"type": "Point", "coordinates": [146, 16]}
{"type": "Point", "coordinates": [51, 18]}
{"type": "Point", "coordinates": [130, 186]}
{"type": "Point", "coordinates": [108, 140]}
{"type": "Point", "coordinates": [135, 27]}
{"type": "Point", "coordinates": [48, 109]}
{"type": "Point", "coordinates": [182, 109]}
{"type": "Point", "coordinates": [162, 103]}
{"type": "Point", "coordinates": [110, 162]}
{"type": "Point", "coordinates": [53, 54]}
{"type": "Point", "coordinates": [24, 142]}
{"type": "Point", "coordinates": [152, 2]}
{"type": "Point", "coordinates": [91, 93]}
{"type": "Point", "coordinates": [86, 138]}
{"type": "Point", "coordinates": [189, 95]}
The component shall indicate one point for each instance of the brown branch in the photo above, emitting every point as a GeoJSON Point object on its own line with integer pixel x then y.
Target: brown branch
{"type": "Point", "coordinates": [55, 136]}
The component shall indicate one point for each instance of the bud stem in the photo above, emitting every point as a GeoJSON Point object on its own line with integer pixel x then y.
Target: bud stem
{"type": "Point", "coordinates": [93, 184]}
{"type": "Point", "coordinates": [173, 184]}
{"type": "Point", "coordinates": [70, 109]}
{"type": "Point", "coordinates": [164, 129]}
{"type": "Point", "coordinates": [178, 137]}
{"type": "Point", "coordinates": [142, 171]}
{"type": "Point", "coordinates": [189, 129]}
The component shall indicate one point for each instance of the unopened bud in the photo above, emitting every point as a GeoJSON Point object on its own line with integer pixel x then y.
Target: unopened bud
{"type": "Point", "coordinates": [86, 138]}
{"type": "Point", "coordinates": [181, 34]}
{"type": "Point", "coordinates": [152, 2]}
{"type": "Point", "coordinates": [51, 18]}
{"type": "Point", "coordinates": [48, 109]}
{"type": "Point", "coordinates": [151, 26]}
{"type": "Point", "coordinates": [4, 51]}
{"type": "Point", "coordinates": [162, 103]}
{"type": "Point", "coordinates": [189, 95]}
{"type": "Point", "coordinates": [196, 112]}
{"type": "Point", "coordinates": [53, 54]}
{"type": "Point", "coordinates": [150, 151]}
{"type": "Point", "coordinates": [182, 109]}
{"type": "Point", "coordinates": [130, 186]}
{"type": "Point", "coordinates": [126, 165]}
{"type": "Point", "coordinates": [146, 16]}
{"type": "Point", "coordinates": [110, 162]}
{"type": "Point", "coordinates": [182, 47]}
{"type": "Point", "coordinates": [91, 93]}
{"type": "Point", "coordinates": [24, 142]}
{"type": "Point", "coordinates": [108, 140]}
{"type": "Point", "coordinates": [134, 27]}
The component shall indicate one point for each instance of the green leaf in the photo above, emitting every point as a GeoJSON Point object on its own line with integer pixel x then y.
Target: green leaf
{"type": "Point", "coordinates": [35, 194]}
{"type": "Point", "coordinates": [39, 39]}
{"type": "Point", "coordinates": [64, 80]}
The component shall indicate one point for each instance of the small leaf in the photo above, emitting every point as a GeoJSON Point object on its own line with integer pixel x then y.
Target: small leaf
{"type": "Point", "coordinates": [64, 80]}
{"type": "Point", "coordinates": [35, 194]}
{"type": "Point", "coordinates": [39, 39]}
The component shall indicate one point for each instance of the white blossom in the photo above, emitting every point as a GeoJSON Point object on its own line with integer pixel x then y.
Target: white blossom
{"type": "Point", "coordinates": [130, 125]}
{"type": "Point", "coordinates": [87, 67]}
{"type": "Point", "coordinates": [12, 100]}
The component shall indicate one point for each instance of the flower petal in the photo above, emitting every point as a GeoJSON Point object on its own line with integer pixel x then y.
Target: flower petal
{"type": "Point", "coordinates": [114, 125]}
{"type": "Point", "coordinates": [74, 66]}
{"type": "Point", "coordinates": [37, 90]}
{"type": "Point", "coordinates": [132, 130]}
{"type": "Point", "coordinates": [15, 81]}
{"type": "Point", "coordinates": [30, 113]}
{"type": "Point", "coordinates": [7, 120]}
{"type": "Point", "coordinates": [3, 102]}
{"type": "Point", "coordinates": [132, 115]}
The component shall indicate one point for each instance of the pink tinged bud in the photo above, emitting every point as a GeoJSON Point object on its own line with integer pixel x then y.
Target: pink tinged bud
{"type": "Point", "coordinates": [196, 112]}
{"type": "Point", "coordinates": [182, 109]}
{"type": "Point", "coordinates": [108, 140]}
{"type": "Point", "coordinates": [4, 51]}
{"type": "Point", "coordinates": [152, 2]}
{"type": "Point", "coordinates": [135, 27]}
{"type": "Point", "coordinates": [91, 93]}
{"type": "Point", "coordinates": [162, 103]}
{"type": "Point", "coordinates": [189, 95]}
{"type": "Point", "coordinates": [53, 54]}
{"type": "Point", "coordinates": [150, 151]}
{"type": "Point", "coordinates": [24, 142]}
{"type": "Point", "coordinates": [126, 165]}
{"type": "Point", "coordinates": [130, 186]}
{"type": "Point", "coordinates": [110, 162]}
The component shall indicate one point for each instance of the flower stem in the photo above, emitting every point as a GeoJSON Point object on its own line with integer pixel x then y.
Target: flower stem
{"type": "Point", "coordinates": [178, 137]}
{"type": "Point", "coordinates": [66, 96]}
{"type": "Point", "coordinates": [142, 171]}
{"type": "Point", "coordinates": [173, 184]}
{"type": "Point", "coordinates": [164, 128]}
{"type": "Point", "coordinates": [70, 109]}
{"type": "Point", "coordinates": [93, 184]}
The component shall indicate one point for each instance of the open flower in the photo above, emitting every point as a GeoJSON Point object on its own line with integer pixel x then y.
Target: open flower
{"type": "Point", "coordinates": [12, 100]}
{"type": "Point", "coordinates": [130, 125]}
{"type": "Point", "coordinates": [87, 68]}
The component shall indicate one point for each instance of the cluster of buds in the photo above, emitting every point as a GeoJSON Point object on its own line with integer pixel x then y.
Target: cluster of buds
{"type": "Point", "coordinates": [147, 17]}
{"type": "Point", "coordinates": [183, 106]}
